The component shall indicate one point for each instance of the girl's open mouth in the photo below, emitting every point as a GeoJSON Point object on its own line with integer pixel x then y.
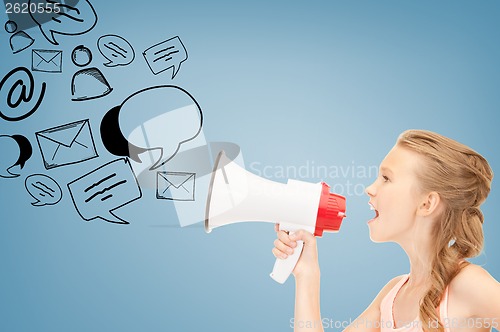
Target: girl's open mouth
{"type": "Point", "coordinates": [376, 212]}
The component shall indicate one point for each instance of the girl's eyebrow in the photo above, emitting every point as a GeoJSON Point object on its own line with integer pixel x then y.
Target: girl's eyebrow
{"type": "Point", "coordinates": [385, 169]}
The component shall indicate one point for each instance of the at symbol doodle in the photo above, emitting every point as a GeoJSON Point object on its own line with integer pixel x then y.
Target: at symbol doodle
{"type": "Point", "coordinates": [24, 94]}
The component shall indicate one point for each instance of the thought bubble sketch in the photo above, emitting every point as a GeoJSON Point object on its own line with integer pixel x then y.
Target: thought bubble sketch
{"type": "Point", "coordinates": [116, 50]}
{"type": "Point", "coordinates": [14, 92]}
{"type": "Point", "coordinates": [44, 189]}
{"type": "Point", "coordinates": [104, 190]}
{"type": "Point", "coordinates": [156, 119]}
{"type": "Point", "coordinates": [15, 151]}
{"type": "Point", "coordinates": [165, 55]}
{"type": "Point", "coordinates": [73, 18]}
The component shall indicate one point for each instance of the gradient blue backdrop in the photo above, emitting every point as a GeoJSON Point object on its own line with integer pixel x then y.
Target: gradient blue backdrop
{"type": "Point", "coordinates": [329, 83]}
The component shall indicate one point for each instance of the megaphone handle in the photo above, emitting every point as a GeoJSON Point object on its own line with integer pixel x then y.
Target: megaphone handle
{"type": "Point", "coordinates": [284, 267]}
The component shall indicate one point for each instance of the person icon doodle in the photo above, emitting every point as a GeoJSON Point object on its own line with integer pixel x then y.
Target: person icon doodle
{"type": "Point", "coordinates": [88, 83]}
{"type": "Point", "coordinates": [20, 40]}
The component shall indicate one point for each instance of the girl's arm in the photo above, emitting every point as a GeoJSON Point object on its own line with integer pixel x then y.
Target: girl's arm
{"type": "Point", "coordinates": [307, 315]}
{"type": "Point", "coordinates": [307, 287]}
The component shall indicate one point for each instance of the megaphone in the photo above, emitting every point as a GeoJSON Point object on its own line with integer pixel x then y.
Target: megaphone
{"type": "Point", "coordinates": [236, 195]}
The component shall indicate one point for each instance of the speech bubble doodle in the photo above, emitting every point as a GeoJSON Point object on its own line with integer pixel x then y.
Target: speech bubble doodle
{"type": "Point", "coordinates": [113, 139]}
{"type": "Point", "coordinates": [15, 150]}
{"type": "Point", "coordinates": [116, 50]}
{"type": "Point", "coordinates": [165, 55]}
{"type": "Point", "coordinates": [44, 189]}
{"type": "Point", "coordinates": [73, 18]}
{"type": "Point", "coordinates": [17, 94]}
{"type": "Point", "coordinates": [108, 188]}
{"type": "Point", "coordinates": [158, 118]}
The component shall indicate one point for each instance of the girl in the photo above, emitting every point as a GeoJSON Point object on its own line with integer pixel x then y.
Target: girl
{"type": "Point", "coordinates": [426, 198]}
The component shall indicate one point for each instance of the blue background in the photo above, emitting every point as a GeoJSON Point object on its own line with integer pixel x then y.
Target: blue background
{"type": "Point", "coordinates": [326, 82]}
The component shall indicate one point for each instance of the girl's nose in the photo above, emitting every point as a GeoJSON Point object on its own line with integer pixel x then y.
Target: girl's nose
{"type": "Point", "coordinates": [371, 190]}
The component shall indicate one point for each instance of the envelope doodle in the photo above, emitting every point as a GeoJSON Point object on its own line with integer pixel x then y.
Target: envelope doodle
{"type": "Point", "coordinates": [47, 61]}
{"type": "Point", "coordinates": [176, 186]}
{"type": "Point", "coordinates": [67, 144]}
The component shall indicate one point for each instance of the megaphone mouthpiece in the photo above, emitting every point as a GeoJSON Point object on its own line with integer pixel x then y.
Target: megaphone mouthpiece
{"type": "Point", "coordinates": [331, 211]}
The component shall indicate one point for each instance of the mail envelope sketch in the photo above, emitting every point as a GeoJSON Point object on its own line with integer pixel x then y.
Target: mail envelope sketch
{"type": "Point", "coordinates": [176, 186]}
{"type": "Point", "coordinates": [67, 144]}
{"type": "Point", "coordinates": [48, 61]}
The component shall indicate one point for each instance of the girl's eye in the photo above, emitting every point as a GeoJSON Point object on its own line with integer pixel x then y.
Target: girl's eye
{"type": "Point", "coordinates": [385, 178]}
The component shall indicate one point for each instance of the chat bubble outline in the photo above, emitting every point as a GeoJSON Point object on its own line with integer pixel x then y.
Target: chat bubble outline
{"type": "Point", "coordinates": [113, 138]}
{"type": "Point", "coordinates": [23, 149]}
{"type": "Point", "coordinates": [164, 52]}
{"type": "Point", "coordinates": [161, 160]}
{"type": "Point", "coordinates": [65, 18]}
{"type": "Point", "coordinates": [45, 187]}
{"type": "Point", "coordinates": [115, 46]}
{"type": "Point", "coordinates": [150, 132]}
{"type": "Point", "coordinates": [109, 202]}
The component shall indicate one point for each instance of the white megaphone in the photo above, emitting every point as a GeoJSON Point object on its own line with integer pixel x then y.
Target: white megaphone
{"type": "Point", "coordinates": [236, 195]}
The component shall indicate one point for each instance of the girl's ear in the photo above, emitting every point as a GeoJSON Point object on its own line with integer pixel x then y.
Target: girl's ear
{"type": "Point", "coordinates": [430, 204]}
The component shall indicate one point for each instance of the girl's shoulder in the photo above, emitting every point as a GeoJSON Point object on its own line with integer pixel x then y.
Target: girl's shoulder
{"type": "Point", "coordinates": [474, 292]}
{"type": "Point", "coordinates": [471, 276]}
{"type": "Point", "coordinates": [389, 287]}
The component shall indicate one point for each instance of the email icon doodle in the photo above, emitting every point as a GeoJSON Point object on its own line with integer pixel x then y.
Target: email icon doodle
{"type": "Point", "coordinates": [65, 145]}
{"type": "Point", "coordinates": [47, 61]}
{"type": "Point", "coordinates": [175, 186]}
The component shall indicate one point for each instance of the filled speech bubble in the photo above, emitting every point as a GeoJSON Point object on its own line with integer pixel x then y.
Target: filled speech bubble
{"type": "Point", "coordinates": [108, 188]}
{"type": "Point", "coordinates": [44, 189]}
{"type": "Point", "coordinates": [157, 119]}
{"type": "Point", "coordinates": [168, 54]}
{"type": "Point", "coordinates": [73, 17]}
{"type": "Point", "coordinates": [15, 151]}
{"type": "Point", "coordinates": [116, 50]}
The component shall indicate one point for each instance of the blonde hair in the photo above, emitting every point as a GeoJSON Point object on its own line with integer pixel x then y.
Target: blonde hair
{"type": "Point", "coordinates": [462, 178]}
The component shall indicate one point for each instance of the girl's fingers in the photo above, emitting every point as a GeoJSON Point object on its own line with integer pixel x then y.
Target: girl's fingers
{"type": "Point", "coordinates": [283, 247]}
{"type": "Point", "coordinates": [279, 254]}
{"type": "Point", "coordinates": [285, 238]}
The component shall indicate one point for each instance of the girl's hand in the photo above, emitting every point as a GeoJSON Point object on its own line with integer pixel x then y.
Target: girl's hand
{"type": "Point", "coordinates": [285, 244]}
